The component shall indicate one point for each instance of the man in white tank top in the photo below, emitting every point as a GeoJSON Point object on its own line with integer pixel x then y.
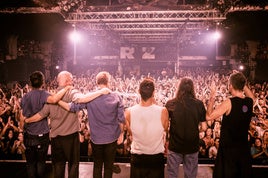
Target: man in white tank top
{"type": "Point", "coordinates": [147, 125]}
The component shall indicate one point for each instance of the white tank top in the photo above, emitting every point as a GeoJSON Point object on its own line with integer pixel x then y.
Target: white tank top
{"type": "Point", "coordinates": [147, 130]}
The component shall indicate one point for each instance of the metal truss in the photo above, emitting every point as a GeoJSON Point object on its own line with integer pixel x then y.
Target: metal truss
{"type": "Point", "coordinates": [141, 16]}
{"type": "Point", "coordinates": [140, 26]}
{"type": "Point", "coordinates": [137, 26]}
{"type": "Point", "coordinates": [146, 26]}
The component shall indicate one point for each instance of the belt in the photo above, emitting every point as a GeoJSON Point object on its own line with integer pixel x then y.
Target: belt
{"type": "Point", "coordinates": [35, 136]}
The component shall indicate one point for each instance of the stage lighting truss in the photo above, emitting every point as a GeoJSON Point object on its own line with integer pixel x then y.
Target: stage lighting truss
{"type": "Point", "coordinates": [147, 26]}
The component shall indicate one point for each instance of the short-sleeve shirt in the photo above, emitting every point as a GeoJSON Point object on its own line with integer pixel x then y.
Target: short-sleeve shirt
{"type": "Point", "coordinates": [184, 124]}
{"type": "Point", "coordinates": [31, 103]}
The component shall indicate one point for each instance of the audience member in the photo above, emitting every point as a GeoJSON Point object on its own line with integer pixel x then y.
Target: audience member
{"type": "Point", "coordinates": [213, 150]}
{"type": "Point", "coordinates": [259, 152]}
{"type": "Point", "coordinates": [208, 139]}
{"type": "Point", "coordinates": [19, 148]}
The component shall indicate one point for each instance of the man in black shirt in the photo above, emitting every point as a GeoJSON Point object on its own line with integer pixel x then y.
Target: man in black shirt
{"type": "Point", "coordinates": [185, 113]}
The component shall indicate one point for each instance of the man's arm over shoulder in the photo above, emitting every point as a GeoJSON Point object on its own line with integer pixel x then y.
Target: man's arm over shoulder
{"type": "Point", "coordinates": [120, 110]}
{"type": "Point", "coordinates": [45, 111]}
{"type": "Point", "coordinates": [72, 107]}
{"type": "Point", "coordinates": [93, 95]}
{"type": "Point", "coordinates": [56, 97]}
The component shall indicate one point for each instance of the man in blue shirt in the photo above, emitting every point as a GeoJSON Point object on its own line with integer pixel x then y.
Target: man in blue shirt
{"type": "Point", "coordinates": [36, 135]}
{"type": "Point", "coordinates": [106, 119]}
{"type": "Point", "coordinates": [64, 128]}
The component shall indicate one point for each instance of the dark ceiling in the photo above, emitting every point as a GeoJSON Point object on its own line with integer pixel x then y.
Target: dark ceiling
{"type": "Point", "coordinates": [239, 25]}
{"type": "Point", "coordinates": [45, 26]}
{"type": "Point", "coordinates": [247, 25]}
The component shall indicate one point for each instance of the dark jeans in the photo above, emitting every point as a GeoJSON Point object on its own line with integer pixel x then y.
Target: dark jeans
{"type": "Point", "coordinates": [36, 154]}
{"type": "Point", "coordinates": [65, 149]}
{"type": "Point", "coordinates": [147, 166]}
{"type": "Point", "coordinates": [103, 154]}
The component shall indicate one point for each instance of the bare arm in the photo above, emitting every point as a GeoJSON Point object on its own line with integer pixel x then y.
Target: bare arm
{"type": "Point", "coordinates": [64, 105]}
{"type": "Point", "coordinates": [265, 150]}
{"type": "Point", "coordinates": [164, 119]}
{"type": "Point", "coordinates": [204, 126]}
{"type": "Point", "coordinates": [224, 107]}
{"type": "Point", "coordinates": [219, 111]}
{"type": "Point", "coordinates": [91, 96]}
{"type": "Point", "coordinates": [1, 122]}
{"type": "Point", "coordinates": [4, 130]}
{"type": "Point", "coordinates": [34, 118]}
{"type": "Point", "coordinates": [249, 93]}
{"type": "Point", "coordinates": [55, 98]}
{"type": "Point", "coordinates": [5, 110]}
{"type": "Point", "coordinates": [22, 119]}
{"type": "Point", "coordinates": [121, 136]}
{"type": "Point", "coordinates": [128, 121]}
{"type": "Point", "coordinates": [258, 154]}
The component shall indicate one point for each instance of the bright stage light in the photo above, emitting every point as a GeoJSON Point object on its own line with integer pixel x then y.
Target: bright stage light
{"type": "Point", "coordinates": [213, 37]}
{"type": "Point", "coordinates": [216, 35]}
{"type": "Point", "coordinates": [75, 36]}
{"type": "Point", "coordinates": [241, 67]}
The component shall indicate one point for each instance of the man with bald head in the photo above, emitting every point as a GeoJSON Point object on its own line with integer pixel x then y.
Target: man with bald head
{"type": "Point", "coordinates": [106, 120]}
{"type": "Point", "coordinates": [36, 135]}
{"type": "Point", "coordinates": [65, 145]}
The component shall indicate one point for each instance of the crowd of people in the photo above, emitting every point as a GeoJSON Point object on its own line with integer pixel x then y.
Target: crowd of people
{"type": "Point", "coordinates": [12, 146]}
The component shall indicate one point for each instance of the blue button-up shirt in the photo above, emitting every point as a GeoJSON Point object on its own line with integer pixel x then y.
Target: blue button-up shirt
{"type": "Point", "coordinates": [105, 113]}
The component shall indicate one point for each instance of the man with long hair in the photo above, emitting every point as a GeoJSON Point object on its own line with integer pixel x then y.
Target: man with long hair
{"type": "Point", "coordinates": [185, 113]}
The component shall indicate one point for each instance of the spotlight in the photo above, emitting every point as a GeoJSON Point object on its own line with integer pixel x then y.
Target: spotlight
{"type": "Point", "coordinates": [217, 35]}
{"type": "Point", "coordinates": [75, 36]}
{"type": "Point", "coordinates": [241, 67]}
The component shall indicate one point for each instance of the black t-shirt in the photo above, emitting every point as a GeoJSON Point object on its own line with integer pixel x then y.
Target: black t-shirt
{"type": "Point", "coordinates": [184, 121]}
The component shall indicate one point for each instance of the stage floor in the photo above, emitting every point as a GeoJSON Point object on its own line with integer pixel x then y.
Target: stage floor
{"type": "Point", "coordinates": [14, 169]}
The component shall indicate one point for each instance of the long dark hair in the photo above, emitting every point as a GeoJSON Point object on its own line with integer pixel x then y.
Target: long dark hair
{"type": "Point", "coordinates": [185, 89]}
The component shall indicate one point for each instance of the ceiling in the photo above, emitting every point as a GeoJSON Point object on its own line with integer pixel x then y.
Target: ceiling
{"type": "Point", "coordinates": [146, 26]}
{"type": "Point", "coordinates": [137, 21]}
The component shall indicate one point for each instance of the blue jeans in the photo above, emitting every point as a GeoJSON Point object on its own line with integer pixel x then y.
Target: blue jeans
{"type": "Point", "coordinates": [189, 161]}
{"type": "Point", "coordinates": [103, 154]}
